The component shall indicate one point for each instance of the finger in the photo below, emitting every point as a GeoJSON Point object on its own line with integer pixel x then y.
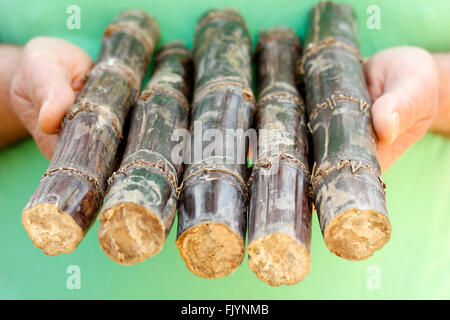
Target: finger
{"type": "Point", "coordinates": [59, 96]}
{"type": "Point", "coordinates": [48, 145]}
{"type": "Point", "coordinates": [45, 142]}
{"type": "Point", "coordinates": [386, 119]}
{"type": "Point", "coordinates": [375, 76]}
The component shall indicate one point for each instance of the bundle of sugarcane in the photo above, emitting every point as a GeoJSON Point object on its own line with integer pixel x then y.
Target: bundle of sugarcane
{"type": "Point", "coordinates": [71, 191]}
{"type": "Point", "coordinates": [142, 196]}
{"type": "Point", "coordinates": [347, 188]}
{"type": "Point", "coordinates": [279, 234]}
{"type": "Point", "coordinates": [213, 196]}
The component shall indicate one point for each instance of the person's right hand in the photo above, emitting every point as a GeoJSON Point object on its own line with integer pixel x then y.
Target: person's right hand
{"type": "Point", "coordinates": [404, 85]}
{"type": "Point", "coordinates": [51, 72]}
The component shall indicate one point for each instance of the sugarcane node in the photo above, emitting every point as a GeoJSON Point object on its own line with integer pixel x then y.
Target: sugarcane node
{"type": "Point", "coordinates": [322, 172]}
{"type": "Point", "coordinates": [177, 47]}
{"type": "Point", "coordinates": [167, 170]}
{"type": "Point", "coordinates": [279, 33]}
{"type": "Point", "coordinates": [242, 186]}
{"type": "Point", "coordinates": [225, 84]}
{"type": "Point", "coordinates": [98, 186]}
{"type": "Point", "coordinates": [147, 93]}
{"type": "Point", "coordinates": [70, 194]}
{"type": "Point", "coordinates": [101, 111]}
{"type": "Point", "coordinates": [227, 14]}
{"type": "Point", "coordinates": [330, 102]}
{"type": "Point", "coordinates": [112, 65]}
{"type": "Point", "coordinates": [141, 36]}
{"type": "Point", "coordinates": [264, 98]}
{"type": "Point", "coordinates": [266, 162]}
{"type": "Point", "coordinates": [315, 48]}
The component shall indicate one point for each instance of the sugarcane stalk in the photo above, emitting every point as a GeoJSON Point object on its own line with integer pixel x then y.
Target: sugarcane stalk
{"type": "Point", "coordinates": [279, 233]}
{"type": "Point", "coordinates": [140, 205]}
{"type": "Point", "coordinates": [70, 193]}
{"type": "Point", "coordinates": [348, 191]}
{"type": "Point", "coordinates": [213, 196]}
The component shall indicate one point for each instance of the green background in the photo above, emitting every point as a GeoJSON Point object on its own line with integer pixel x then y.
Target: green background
{"type": "Point", "coordinates": [414, 264]}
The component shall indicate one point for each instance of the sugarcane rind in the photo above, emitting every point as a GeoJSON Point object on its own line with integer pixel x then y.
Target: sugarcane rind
{"type": "Point", "coordinates": [99, 187]}
{"type": "Point", "coordinates": [139, 34]}
{"type": "Point", "coordinates": [148, 93]}
{"type": "Point", "coordinates": [331, 102]}
{"type": "Point", "coordinates": [174, 47]}
{"type": "Point", "coordinates": [224, 84]}
{"type": "Point", "coordinates": [319, 174]}
{"type": "Point", "coordinates": [165, 167]}
{"type": "Point", "coordinates": [101, 111]}
{"type": "Point", "coordinates": [230, 14]}
{"type": "Point", "coordinates": [195, 175]}
{"type": "Point", "coordinates": [277, 33]}
{"type": "Point", "coordinates": [315, 48]}
{"type": "Point", "coordinates": [283, 95]}
{"type": "Point", "coordinates": [268, 161]}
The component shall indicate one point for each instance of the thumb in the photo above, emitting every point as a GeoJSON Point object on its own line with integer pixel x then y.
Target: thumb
{"type": "Point", "coordinates": [395, 111]}
{"type": "Point", "coordinates": [57, 95]}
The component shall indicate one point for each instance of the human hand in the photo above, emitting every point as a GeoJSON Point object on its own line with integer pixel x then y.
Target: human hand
{"type": "Point", "coordinates": [51, 72]}
{"type": "Point", "coordinates": [404, 85]}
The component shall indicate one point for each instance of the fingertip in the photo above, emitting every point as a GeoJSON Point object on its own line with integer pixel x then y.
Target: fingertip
{"type": "Point", "coordinates": [386, 120]}
{"type": "Point", "coordinates": [385, 158]}
{"type": "Point", "coordinates": [48, 147]}
{"type": "Point", "coordinates": [54, 109]}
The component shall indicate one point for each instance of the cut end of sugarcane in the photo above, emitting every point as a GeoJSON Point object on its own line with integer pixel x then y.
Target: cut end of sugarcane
{"type": "Point", "coordinates": [356, 234]}
{"type": "Point", "coordinates": [130, 233]}
{"type": "Point", "coordinates": [51, 230]}
{"type": "Point", "coordinates": [211, 250]}
{"type": "Point", "coordinates": [278, 259]}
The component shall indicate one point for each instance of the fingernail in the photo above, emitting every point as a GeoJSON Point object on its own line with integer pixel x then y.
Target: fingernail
{"type": "Point", "coordinates": [396, 126]}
